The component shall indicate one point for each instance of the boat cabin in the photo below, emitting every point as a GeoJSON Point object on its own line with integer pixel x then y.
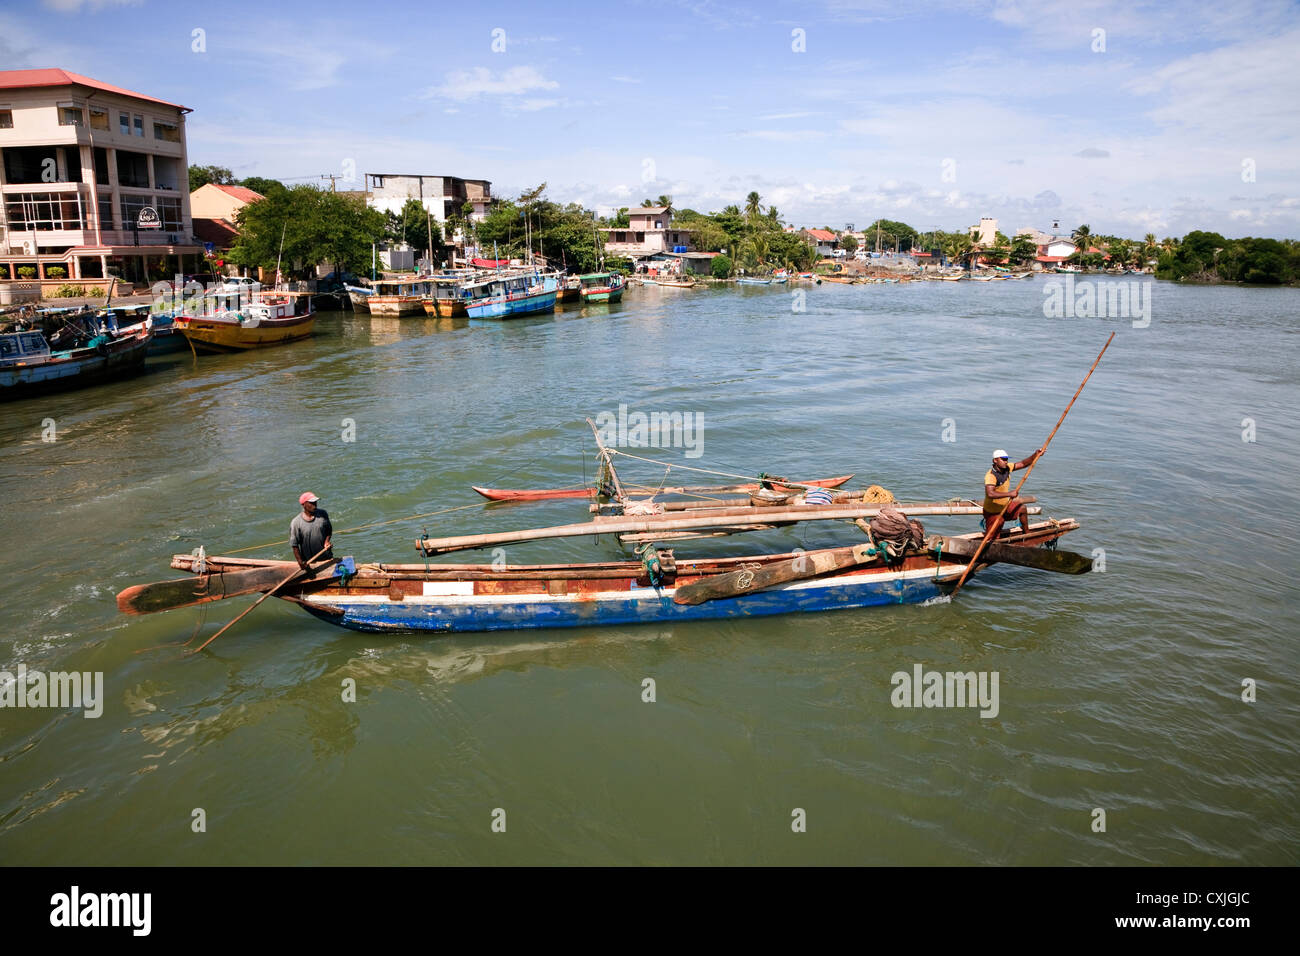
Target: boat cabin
{"type": "Point", "coordinates": [23, 348]}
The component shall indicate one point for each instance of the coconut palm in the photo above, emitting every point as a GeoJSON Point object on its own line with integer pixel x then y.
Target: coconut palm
{"type": "Point", "coordinates": [665, 201]}
{"type": "Point", "coordinates": [753, 206]}
{"type": "Point", "coordinates": [1082, 237]}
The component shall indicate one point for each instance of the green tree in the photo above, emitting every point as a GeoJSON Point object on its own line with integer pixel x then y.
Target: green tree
{"type": "Point", "coordinates": [753, 206]}
{"type": "Point", "coordinates": [1022, 250]}
{"type": "Point", "coordinates": [316, 228]}
{"type": "Point", "coordinates": [259, 184]}
{"type": "Point", "coordinates": [849, 244]}
{"type": "Point", "coordinates": [620, 220]}
{"type": "Point", "coordinates": [202, 175]}
{"type": "Point", "coordinates": [1082, 238]}
{"type": "Point", "coordinates": [720, 267]}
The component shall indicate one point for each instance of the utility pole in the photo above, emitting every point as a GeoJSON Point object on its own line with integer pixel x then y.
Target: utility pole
{"type": "Point", "coordinates": [331, 177]}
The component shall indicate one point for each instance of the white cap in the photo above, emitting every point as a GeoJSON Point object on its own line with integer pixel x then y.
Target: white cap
{"type": "Point", "coordinates": [1000, 453]}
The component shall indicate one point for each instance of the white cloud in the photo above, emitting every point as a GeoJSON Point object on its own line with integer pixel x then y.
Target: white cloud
{"type": "Point", "coordinates": [480, 81]}
{"type": "Point", "coordinates": [74, 6]}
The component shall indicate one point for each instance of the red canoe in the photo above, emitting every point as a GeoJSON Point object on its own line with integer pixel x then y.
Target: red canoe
{"type": "Point", "coordinates": [542, 494]}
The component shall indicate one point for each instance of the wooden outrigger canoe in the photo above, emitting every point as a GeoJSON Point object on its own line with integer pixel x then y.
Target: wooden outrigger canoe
{"type": "Point", "coordinates": [546, 494]}
{"type": "Point", "coordinates": [449, 598]}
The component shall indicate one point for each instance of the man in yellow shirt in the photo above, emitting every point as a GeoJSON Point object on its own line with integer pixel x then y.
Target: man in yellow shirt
{"type": "Point", "coordinates": [999, 499]}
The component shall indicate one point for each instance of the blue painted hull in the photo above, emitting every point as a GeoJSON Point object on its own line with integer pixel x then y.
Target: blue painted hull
{"type": "Point", "coordinates": [454, 614]}
{"type": "Point", "coordinates": [498, 308]}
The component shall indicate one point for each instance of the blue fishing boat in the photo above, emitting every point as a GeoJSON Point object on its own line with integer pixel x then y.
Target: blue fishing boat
{"type": "Point", "coordinates": [508, 296]}
{"type": "Point", "coordinates": [30, 367]}
{"type": "Point", "coordinates": [750, 280]}
{"type": "Point", "coordinates": [452, 598]}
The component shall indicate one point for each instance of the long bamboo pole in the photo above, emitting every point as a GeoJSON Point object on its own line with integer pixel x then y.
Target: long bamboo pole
{"type": "Point", "coordinates": [996, 524]}
{"type": "Point", "coordinates": [721, 517]}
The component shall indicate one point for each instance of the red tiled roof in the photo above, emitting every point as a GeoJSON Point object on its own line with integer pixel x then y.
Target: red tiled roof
{"type": "Point", "coordinates": [241, 193]}
{"type": "Point", "coordinates": [17, 79]}
{"type": "Point", "coordinates": [216, 231]}
{"type": "Point", "coordinates": [824, 235]}
{"type": "Point", "coordinates": [1051, 258]}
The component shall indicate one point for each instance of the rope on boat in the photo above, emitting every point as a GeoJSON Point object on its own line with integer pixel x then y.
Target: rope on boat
{"type": "Point", "coordinates": [708, 471]}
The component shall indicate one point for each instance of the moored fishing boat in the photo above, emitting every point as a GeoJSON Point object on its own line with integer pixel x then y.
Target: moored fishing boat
{"type": "Point", "coordinates": [568, 289]}
{"type": "Point", "coordinates": [447, 300]}
{"type": "Point", "coordinates": [359, 297]}
{"type": "Point", "coordinates": [510, 295]}
{"type": "Point", "coordinates": [271, 319]}
{"type": "Point", "coordinates": [601, 287]}
{"type": "Point", "coordinates": [753, 280]}
{"type": "Point", "coordinates": [29, 367]}
{"type": "Point", "coordinates": [399, 296]}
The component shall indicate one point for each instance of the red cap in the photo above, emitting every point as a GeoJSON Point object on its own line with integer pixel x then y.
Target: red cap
{"type": "Point", "coordinates": [305, 497]}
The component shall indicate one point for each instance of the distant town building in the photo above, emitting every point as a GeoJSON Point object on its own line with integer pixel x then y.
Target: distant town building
{"type": "Point", "coordinates": [444, 196]}
{"type": "Point", "coordinates": [650, 230]}
{"type": "Point", "coordinates": [986, 232]}
{"type": "Point", "coordinates": [83, 163]}
{"type": "Point", "coordinates": [825, 240]}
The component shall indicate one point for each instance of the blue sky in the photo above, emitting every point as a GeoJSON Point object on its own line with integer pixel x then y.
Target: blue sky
{"type": "Point", "coordinates": [934, 113]}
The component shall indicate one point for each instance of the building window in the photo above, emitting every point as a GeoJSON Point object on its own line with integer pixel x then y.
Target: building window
{"type": "Point", "coordinates": [70, 116]}
{"type": "Point", "coordinates": [98, 118]}
{"type": "Point", "coordinates": [6, 119]}
{"type": "Point", "coordinates": [169, 211]}
{"type": "Point", "coordinates": [124, 123]}
{"type": "Point", "coordinates": [167, 132]}
{"type": "Point", "coordinates": [105, 212]}
{"type": "Point", "coordinates": [139, 126]}
{"type": "Point", "coordinates": [44, 212]}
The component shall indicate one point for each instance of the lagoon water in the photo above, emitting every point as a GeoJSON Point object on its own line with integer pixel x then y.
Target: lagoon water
{"type": "Point", "coordinates": [1120, 691]}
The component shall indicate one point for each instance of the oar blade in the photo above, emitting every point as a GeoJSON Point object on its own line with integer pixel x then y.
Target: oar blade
{"type": "Point", "coordinates": [1041, 559]}
{"type": "Point", "coordinates": [746, 580]}
{"type": "Point", "coordinates": [196, 589]}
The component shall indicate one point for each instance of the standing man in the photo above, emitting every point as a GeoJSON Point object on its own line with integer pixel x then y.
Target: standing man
{"type": "Point", "coordinates": [999, 499]}
{"type": "Point", "coordinates": [310, 532]}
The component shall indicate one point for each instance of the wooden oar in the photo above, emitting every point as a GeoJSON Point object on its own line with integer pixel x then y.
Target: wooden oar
{"type": "Point", "coordinates": [816, 563]}
{"type": "Point", "coordinates": [195, 589]}
{"type": "Point", "coordinates": [996, 524]}
{"type": "Point", "coordinates": [249, 610]}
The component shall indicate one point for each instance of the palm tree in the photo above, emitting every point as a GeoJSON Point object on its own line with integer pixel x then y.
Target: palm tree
{"type": "Point", "coordinates": [666, 202]}
{"type": "Point", "coordinates": [1082, 237]}
{"type": "Point", "coordinates": [753, 206]}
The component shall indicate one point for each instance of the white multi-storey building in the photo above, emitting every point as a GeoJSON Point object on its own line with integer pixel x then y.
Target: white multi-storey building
{"type": "Point", "coordinates": [82, 165]}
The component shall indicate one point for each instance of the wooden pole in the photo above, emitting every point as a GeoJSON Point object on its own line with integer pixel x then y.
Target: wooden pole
{"type": "Point", "coordinates": [996, 524]}
{"type": "Point", "coordinates": [257, 602]}
{"type": "Point", "coordinates": [720, 518]}
{"type": "Point", "coordinates": [609, 463]}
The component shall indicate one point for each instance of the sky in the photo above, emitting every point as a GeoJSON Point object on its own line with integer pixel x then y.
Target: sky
{"type": "Point", "coordinates": [1130, 116]}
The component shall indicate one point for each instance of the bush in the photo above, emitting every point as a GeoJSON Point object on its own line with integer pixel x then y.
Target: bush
{"type": "Point", "coordinates": [27, 272]}
{"type": "Point", "coordinates": [69, 291]}
{"type": "Point", "coordinates": [95, 292]}
{"type": "Point", "coordinates": [720, 268]}
{"type": "Point", "coordinates": [4, 271]}
{"type": "Point", "coordinates": [56, 272]}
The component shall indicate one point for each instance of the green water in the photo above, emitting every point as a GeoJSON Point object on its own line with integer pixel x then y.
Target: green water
{"type": "Point", "coordinates": [1119, 691]}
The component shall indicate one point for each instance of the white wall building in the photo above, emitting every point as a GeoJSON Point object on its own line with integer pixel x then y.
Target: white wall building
{"type": "Point", "coordinates": [79, 160]}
